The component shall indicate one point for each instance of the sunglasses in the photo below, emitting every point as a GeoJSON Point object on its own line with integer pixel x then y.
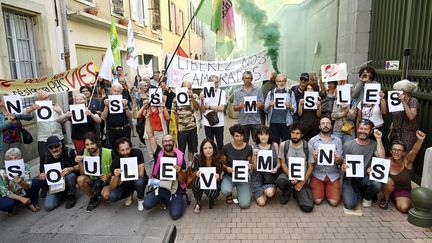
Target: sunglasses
{"type": "Point", "coordinates": [54, 146]}
{"type": "Point", "coordinates": [303, 79]}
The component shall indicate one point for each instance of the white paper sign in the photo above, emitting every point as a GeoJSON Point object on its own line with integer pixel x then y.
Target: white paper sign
{"type": "Point", "coordinates": [393, 101]}
{"type": "Point", "coordinates": [250, 104]}
{"type": "Point", "coordinates": [116, 104]}
{"type": "Point", "coordinates": [155, 95]}
{"type": "Point", "coordinates": [264, 160]}
{"type": "Point", "coordinates": [296, 168]}
{"type": "Point", "coordinates": [279, 101]}
{"type": "Point", "coordinates": [343, 94]}
{"type": "Point", "coordinates": [355, 165]}
{"type": "Point", "coordinates": [45, 112]}
{"type": "Point", "coordinates": [209, 90]}
{"type": "Point", "coordinates": [13, 104]}
{"type": "Point", "coordinates": [371, 93]}
{"type": "Point", "coordinates": [78, 114]}
{"type": "Point", "coordinates": [240, 171]}
{"type": "Point", "coordinates": [334, 72]}
{"type": "Point", "coordinates": [129, 169]}
{"type": "Point", "coordinates": [167, 170]}
{"type": "Point", "coordinates": [392, 65]}
{"type": "Point", "coordinates": [380, 170]}
{"type": "Point", "coordinates": [15, 168]}
{"type": "Point", "coordinates": [326, 154]}
{"type": "Point", "coordinates": [182, 96]}
{"type": "Point", "coordinates": [310, 100]}
{"type": "Point", "coordinates": [91, 165]}
{"type": "Point", "coordinates": [53, 174]}
{"type": "Point", "coordinates": [207, 178]}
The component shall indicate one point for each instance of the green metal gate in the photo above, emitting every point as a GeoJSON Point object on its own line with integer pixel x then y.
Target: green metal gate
{"type": "Point", "coordinates": [396, 25]}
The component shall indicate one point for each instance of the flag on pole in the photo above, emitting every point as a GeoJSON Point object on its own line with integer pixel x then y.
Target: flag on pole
{"type": "Point", "coordinates": [115, 45]}
{"type": "Point", "coordinates": [208, 12]}
{"type": "Point", "coordinates": [131, 58]}
{"type": "Point", "coordinates": [181, 52]}
{"type": "Point", "coordinates": [105, 71]}
{"type": "Point", "coordinates": [172, 130]}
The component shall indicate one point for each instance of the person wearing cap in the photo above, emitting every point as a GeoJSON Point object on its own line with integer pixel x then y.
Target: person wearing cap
{"type": "Point", "coordinates": [55, 153]}
{"type": "Point", "coordinates": [299, 90]}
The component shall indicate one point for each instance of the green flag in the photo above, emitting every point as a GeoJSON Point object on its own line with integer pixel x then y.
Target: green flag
{"type": "Point", "coordinates": [115, 45]}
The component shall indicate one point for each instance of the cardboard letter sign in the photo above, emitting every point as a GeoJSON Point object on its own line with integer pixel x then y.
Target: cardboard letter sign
{"type": "Point", "coordinates": [326, 154]}
{"type": "Point", "coordinates": [296, 168]}
{"type": "Point", "coordinates": [240, 171]}
{"type": "Point", "coordinates": [116, 104]}
{"type": "Point", "coordinates": [343, 94]}
{"type": "Point", "coordinates": [250, 104]}
{"type": "Point", "coordinates": [91, 165]}
{"type": "Point", "coordinates": [265, 160]}
{"type": "Point", "coordinates": [53, 174]}
{"type": "Point", "coordinates": [380, 170]}
{"type": "Point", "coordinates": [15, 168]}
{"type": "Point", "coordinates": [209, 90]}
{"type": "Point", "coordinates": [279, 101]}
{"type": "Point", "coordinates": [155, 96]}
{"type": "Point", "coordinates": [167, 170]}
{"type": "Point", "coordinates": [45, 112]}
{"type": "Point", "coordinates": [393, 101]}
{"type": "Point", "coordinates": [208, 178]}
{"type": "Point", "coordinates": [182, 96]}
{"type": "Point", "coordinates": [14, 104]}
{"type": "Point", "coordinates": [78, 114]}
{"type": "Point", "coordinates": [355, 165]}
{"type": "Point", "coordinates": [371, 94]}
{"type": "Point", "coordinates": [310, 100]}
{"type": "Point", "coordinates": [129, 169]}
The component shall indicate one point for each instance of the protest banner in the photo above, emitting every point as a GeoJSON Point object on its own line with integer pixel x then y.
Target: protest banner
{"type": "Point", "coordinates": [334, 72]}
{"type": "Point", "coordinates": [230, 71]}
{"type": "Point", "coordinates": [69, 80]}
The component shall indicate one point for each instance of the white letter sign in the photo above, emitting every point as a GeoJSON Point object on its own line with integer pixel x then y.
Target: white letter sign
{"type": "Point", "coordinates": [91, 165]}
{"type": "Point", "coordinates": [78, 114]}
{"type": "Point", "coordinates": [250, 104]}
{"type": "Point", "coordinates": [240, 171]}
{"type": "Point", "coordinates": [155, 96]}
{"type": "Point", "coordinates": [310, 100]}
{"type": "Point", "coordinates": [167, 170]}
{"type": "Point", "coordinates": [129, 169]}
{"type": "Point", "coordinates": [343, 94]}
{"type": "Point", "coordinates": [371, 93]}
{"type": "Point", "coordinates": [326, 154]}
{"type": "Point", "coordinates": [279, 101]}
{"type": "Point", "coordinates": [207, 178]}
{"type": "Point", "coordinates": [13, 104]}
{"type": "Point", "coordinates": [380, 170]}
{"type": "Point", "coordinates": [15, 168]}
{"type": "Point", "coordinates": [393, 101]}
{"type": "Point", "coordinates": [45, 112]}
{"type": "Point", "coordinates": [182, 96]}
{"type": "Point", "coordinates": [264, 160]}
{"type": "Point", "coordinates": [355, 165]}
{"type": "Point", "coordinates": [115, 104]}
{"type": "Point", "coordinates": [296, 168]}
{"type": "Point", "coordinates": [53, 174]}
{"type": "Point", "coordinates": [209, 90]}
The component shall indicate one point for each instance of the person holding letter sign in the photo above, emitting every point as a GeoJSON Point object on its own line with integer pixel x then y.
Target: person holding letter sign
{"type": "Point", "coordinates": [94, 186]}
{"type": "Point", "coordinates": [20, 189]}
{"type": "Point", "coordinates": [248, 100]}
{"type": "Point", "coordinates": [118, 123]}
{"type": "Point", "coordinates": [373, 112]}
{"type": "Point", "coordinates": [280, 113]}
{"type": "Point", "coordinates": [296, 147]}
{"type": "Point", "coordinates": [401, 169]}
{"type": "Point", "coordinates": [208, 157]}
{"type": "Point", "coordinates": [66, 156]}
{"type": "Point", "coordinates": [325, 181]}
{"type": "Point", "coordinates": [263, 178]}
{"type": "Point", "coordinates": [309, 118]}
{"type": "Point", "coordinates": [353, 187]}
{"type": "Point", "coordinates": [406, 120]}
{"type": "Point", "coordinates": [168, 192]}
{"type": "Point", "coordinates": [236, 150]}
{"type": "Point", "coordinates": [344, 116]}
{"type": "Point", "coordinates": [366, 76]}
{"type": "Point", "coordinates": [125, 189]}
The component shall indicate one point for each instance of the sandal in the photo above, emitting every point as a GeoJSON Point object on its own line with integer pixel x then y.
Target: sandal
{"type": "Point", "coordinates": [197, 209]}
{"type": "Point", "coordinates": [31, 206]}
{"type": "Point", "coordinates": [229, 199]}
{"type": "Point", "coordinates": [384, 204]}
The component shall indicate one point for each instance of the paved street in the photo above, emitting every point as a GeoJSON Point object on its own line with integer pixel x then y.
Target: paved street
{"type": "Point", "coordinates": [114, 222]}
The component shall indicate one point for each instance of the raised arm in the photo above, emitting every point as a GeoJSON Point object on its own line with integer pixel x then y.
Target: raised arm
{"type": "Point", "coordinates": [410, 157]}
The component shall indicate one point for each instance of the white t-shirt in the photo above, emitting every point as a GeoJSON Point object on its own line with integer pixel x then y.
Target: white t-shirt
{"type": "Point", "coordinates": [372, 113]}
{"type": "Point", "coordinates": [214, 102]}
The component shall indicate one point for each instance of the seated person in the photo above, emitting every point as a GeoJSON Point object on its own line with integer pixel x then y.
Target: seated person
{"type": "Point", "coordinates": [401, 169]}
{"type": "Point", "coordinates": [95, 186]}
{"type": "Point", "coordinates": [19, 190]}
{"type": "Point", "coordinates": [125, 189]}
{"type": "Point", "coordinates": [70, 169]}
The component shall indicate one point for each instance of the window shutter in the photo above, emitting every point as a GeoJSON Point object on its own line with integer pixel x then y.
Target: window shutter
{"type": "Point", "coordinates": [134, 10]}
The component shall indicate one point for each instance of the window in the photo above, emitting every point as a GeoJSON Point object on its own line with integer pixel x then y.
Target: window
{"type": "Point", "coordinates": [21, 47]}
{"type": "Point", "coordinates": [191, 13]}
{"type": "Point", "coordinates": [179, 22]}
{"type": "Point", "coordinates": [117, 7]}
{"type": "Point", "coordinates": [139, 12]}
{"type": "Point", "coordinates": [155, 16]}
{"type": "Point", "coordinates": [172, 16]}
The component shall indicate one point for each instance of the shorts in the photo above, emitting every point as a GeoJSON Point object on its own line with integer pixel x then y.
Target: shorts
{"type": "Point", "coordinates": [401, 193]}
{"type": "Point", "coordinates": [189, 137]}
{"type": "Point", "coordinates": [325, 189]}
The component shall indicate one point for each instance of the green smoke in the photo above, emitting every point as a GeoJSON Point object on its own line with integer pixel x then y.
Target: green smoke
{"type": "Point", "coordinates": [268, 32]}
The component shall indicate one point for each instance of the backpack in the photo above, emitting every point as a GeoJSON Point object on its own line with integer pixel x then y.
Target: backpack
{"type": "Point", "coordinates": [305, 149]}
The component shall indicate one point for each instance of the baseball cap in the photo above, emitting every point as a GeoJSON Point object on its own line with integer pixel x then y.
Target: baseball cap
{"type": "Point", "coordinates": [53, 140]}
{"type": "Point", "coordinates": [304, 76]}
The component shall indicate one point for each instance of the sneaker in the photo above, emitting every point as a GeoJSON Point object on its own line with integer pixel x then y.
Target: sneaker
{"type": "Point", "coordinates": [284, 198]}
{"type": "Point", "coordinates": [140, 205]}
{"type": "Point", "coordinates": [366, 203]}
{"type": "Point", "coordinates": [92, 204]}
{"type": "Point", "coordinates": [70, 201]}
{"type": "Point", "coordinates": [128, 200]}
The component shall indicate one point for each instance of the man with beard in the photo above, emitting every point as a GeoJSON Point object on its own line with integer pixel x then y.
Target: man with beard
{"type": "Point", "coordinates": [353, 187]}
{"type": "Point", "coordinates": [95, 186]}
{"type": "Point", "coordinates": [166, 192]}
{"type": "Point", "coordinates": [296, 147]}
{"type": "Point", "coordinates": [125, 189]}
{"type": "Point", "coordinates": [325, 181]}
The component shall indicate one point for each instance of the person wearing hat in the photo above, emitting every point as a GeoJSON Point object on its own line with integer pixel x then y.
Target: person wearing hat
{"type": "Point", "coordinates": [70, 170]}
{"type": "Point", "coordinates": [299, 90]}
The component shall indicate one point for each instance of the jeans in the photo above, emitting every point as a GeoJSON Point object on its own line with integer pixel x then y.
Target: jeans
{"type": "Point", "coordinates": [7, 204]}
{"type": "Point", "coordinates": [174, 202]}
{"type": "Point", "coordinates": [353, 188]}
{"type": "Point", "coordinates": [344, 137]}
{"type": "Point", "coordinates": [52, 201]}
{"type": "Point", "coordinates": [127, 187]}
{"type": "Point", "coordinates": [215, 132]}
{"type": "Point", "coordinates": [280, 131]}
{"type": "Point", "coordinates": [303, 197]}
{"type": "Point", "coordinates": [250, 129]}
{"type": "Point", "coordinates": [243, 190]}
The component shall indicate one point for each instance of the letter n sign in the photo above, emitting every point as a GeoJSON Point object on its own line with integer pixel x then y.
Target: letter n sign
{"type": "Point", "coordinates": [326, 154]}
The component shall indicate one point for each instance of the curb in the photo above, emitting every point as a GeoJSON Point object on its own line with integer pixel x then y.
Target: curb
{"type": "Point", "coordinates": [170, 234]}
